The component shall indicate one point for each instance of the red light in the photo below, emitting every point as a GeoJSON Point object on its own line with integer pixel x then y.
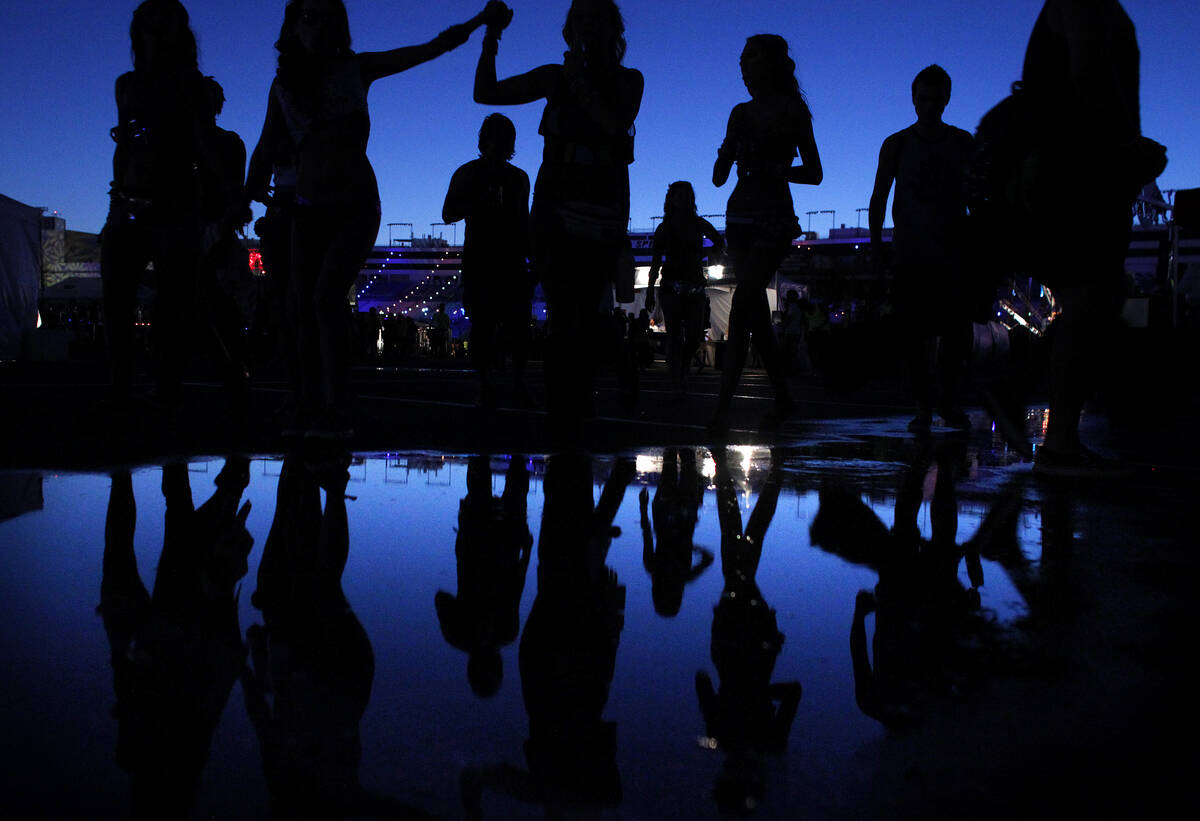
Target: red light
{"type": "Point", "coordinates": [256, 263]}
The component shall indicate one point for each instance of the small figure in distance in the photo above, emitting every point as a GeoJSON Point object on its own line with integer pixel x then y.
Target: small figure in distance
{"type": "Point", "coordinates": [929, 162]}
{"type": "Point", "coordinates": [580, 207]}
{"type": "Point", "coordinates": [762, 137]}
{"type": "Point", "coordinates": [492, 195]}
{"type": "Point", "coordinates": [680, 239]}
{"type": "Point", "coordinates": [319, 98]}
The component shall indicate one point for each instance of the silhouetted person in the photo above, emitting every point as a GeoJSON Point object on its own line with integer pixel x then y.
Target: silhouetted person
{"type": "Point", "coordinates": [674, 561]}
{"type": "Point", "coordinates": [1081, 79]}
{"type": "Point", "coordinates": [177, 652]}
{"type": "Point", "coordinates": [568, 651]}
{"type": "Point", "coordinates": [312, 664]}
{"type": "Point", "coordinates": [794, 333]}
{"type": "Point", "coordinates": [161, 161]}
{"type": "Point", "coordinates": [680, 240]}
{"type": "Point", "coordinates": [742, 716]}
{"type": "Point", "coordinates": [492, 553]}
{"type": "Point", "coordinates": [581, 197]}
{"type": "Point", "coordinates": [928, 161]}
{"type": "Point", "coordinates": [492, 195]}
{"type": "Point", "coordinates": [762, 137]}
{"type": "Point", "coordinates": [319, 98]}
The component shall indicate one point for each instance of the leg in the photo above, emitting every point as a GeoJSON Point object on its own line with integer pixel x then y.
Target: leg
{"type": "Point", "coordinates": [124, 252]}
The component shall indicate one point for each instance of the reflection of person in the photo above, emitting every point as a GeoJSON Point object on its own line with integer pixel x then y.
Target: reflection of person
{"type": "Point", "coordinates": [312, 663]}
{"type": "Point", "coordinates": [492, 550]}
{"type": "Point", "coordinates": [925, 619]}
{"type": "Point", "coordinates": [676, 511]}
{"type": "Point", "coordinates": [319, 99]}
{"type": "Point", "coordinates": [762, 138]}
{"type": "Point", "coordinates": [680, 239]}
{"type": "Point", "coordinates": [581, 196]}
{"type": "Point", "coordinates": [928, 161]}
{"type": "Point", "coordinates": [741, 716]}
{"type": "Point", "coordinates": [568, 651]}
{"type": "Point", "coordinates": [177, 652]}
{"type": "Point", "coordinates": [492, 195]}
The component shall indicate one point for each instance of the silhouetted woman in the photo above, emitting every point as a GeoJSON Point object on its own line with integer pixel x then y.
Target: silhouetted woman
{"type": "Point", "coordinates": [762, 137]}
{"type": "Point", "coordinates": [165, 116]}
{"type": "Point", "coordinates": [319, 98]}
{"type": "Point", "coordinates": [675, 561]}
{"type": "Point", "coordinates": [680, 238]}
{"type": "Point", "coordinates": [581, 197]}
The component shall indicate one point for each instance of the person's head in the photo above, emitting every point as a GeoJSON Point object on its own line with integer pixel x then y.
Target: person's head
{"type": "Point", "coordinates": [497, 137]}
{"type": "Point", "coordinates": [767, 68]}
{"type": "Point", "coordinates": [313, 29]}
{"type": "Point", "coordinates": [485, 673]}
{"type": "Point", "coordinates": [931, 93]}
{"type": "Point", "coordinates": [595, 29]}
{"type": "Point", "coordinates": [160, 36]}
{"type": "Point", "coordinates": [680, 201]}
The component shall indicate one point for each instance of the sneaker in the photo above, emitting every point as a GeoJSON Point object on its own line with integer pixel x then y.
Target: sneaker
{"type": "Point", "coordinates": [1081, 464]}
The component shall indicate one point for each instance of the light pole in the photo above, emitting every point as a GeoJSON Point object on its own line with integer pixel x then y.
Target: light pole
{"type": "Point", "coordinates": [810, 216]}
{"type": "Point", "coordinates": [860, 213]}
{"type": "Point", "coordinates": [453, 226]}
{"type": "Point", "coordinates": [832, 218]}
{"type": "Point", "coordinates": [391, 225]}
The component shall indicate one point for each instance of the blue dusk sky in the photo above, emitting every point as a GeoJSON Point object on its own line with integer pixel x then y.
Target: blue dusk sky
{"type": "Point", "coordinates": [855, 60]}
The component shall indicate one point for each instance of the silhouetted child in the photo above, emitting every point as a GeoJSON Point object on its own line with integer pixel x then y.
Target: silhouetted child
{"type": "Point", "coordinates": [580, 208]}
{"type": "Point", "coordinates": [492, 195]}
{"type": "Point", "coordinates": [929, 162]}
{"type": "Point", "coordinates": [762, 138]}
{"type": "Point", "coordinates": [679, 254]}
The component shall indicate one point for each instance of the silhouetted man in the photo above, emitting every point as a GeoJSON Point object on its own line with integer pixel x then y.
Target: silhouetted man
{"type": "Point", "coordinates": [928, 161]}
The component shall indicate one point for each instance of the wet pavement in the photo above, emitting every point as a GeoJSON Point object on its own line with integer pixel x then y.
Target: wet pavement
{"type": "Point", "coordinates": [837, 621]}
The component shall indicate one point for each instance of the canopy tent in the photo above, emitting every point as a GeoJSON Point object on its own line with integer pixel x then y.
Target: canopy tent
{"type": "Point", "coordinates": [20, 274]}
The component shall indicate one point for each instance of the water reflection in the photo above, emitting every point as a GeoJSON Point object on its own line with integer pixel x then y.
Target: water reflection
{"type": "Point", "coordinates": [568, 650]}
{"type": "Point", "coordinates": [668, 552]}
{"type": "Point", "coordinates": [931, 637]}
{"type": "Point", "coordinates": [748, 716]}
{"type": "Point", "coordinates": [492, 554]}
{"type": "Point", "coordinates": [312, 665]}
{"type": "Point", "coordinates": [177, 652]}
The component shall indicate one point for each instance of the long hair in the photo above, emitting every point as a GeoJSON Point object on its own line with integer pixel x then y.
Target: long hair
{"type": "Point", "coordinates": [781, 69]}
{"type": "Point", "coordinates": [616, 44]}
{"type": "Point", "coordinates": [670, 210]}
{"type": "Point", "coordinates": [146, 18]}
{"type": "Point", "coordinates": [296, 66]}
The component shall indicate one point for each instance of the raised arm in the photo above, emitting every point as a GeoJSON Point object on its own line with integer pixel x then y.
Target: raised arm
{"type": "Point", "coordinates": [516, 90]}
{"type": "Point", "coordinates": [810, 172]}
{"type": "Point", "coordinates": [378, 64]}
